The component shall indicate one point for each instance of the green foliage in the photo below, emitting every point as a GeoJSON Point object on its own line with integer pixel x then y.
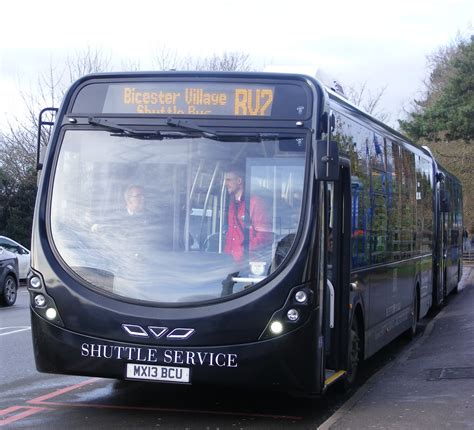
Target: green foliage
{"type": "Point", "coordinates": [458, 158]}
{"type": "Point", "coordinates": [17, 201]}
{"type": "Point", "coordinates": [448, 108]}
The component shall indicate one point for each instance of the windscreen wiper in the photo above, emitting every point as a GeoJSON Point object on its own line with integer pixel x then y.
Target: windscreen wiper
{"type": "Point", "coordinates": [214, 135]}
{"type": "Point", "coordinates": [180, 125]}
{"type": "Point", "coordinates": [188, 125]}
{"type": "Point", "coordinates": [120, 130]}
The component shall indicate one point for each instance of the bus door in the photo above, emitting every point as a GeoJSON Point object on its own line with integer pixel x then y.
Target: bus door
{"type": "Point", "coordinates": [442, 244]}
{"type": "Point", "coordinates": [337, 291]}
{"type": "Point", "coordinates": [444, 241]}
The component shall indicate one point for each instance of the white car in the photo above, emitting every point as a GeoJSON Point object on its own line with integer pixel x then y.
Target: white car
{"type": "Point", "coordinates": [8, 277]}
{"type": "Point", "coordinates": [22, 253]}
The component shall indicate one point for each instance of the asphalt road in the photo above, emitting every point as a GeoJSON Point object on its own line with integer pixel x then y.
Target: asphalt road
{"type": "Point", "coordinates": [30, 399]}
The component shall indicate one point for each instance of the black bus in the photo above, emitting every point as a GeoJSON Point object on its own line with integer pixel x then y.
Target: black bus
{"type": "Point", "coordinates": [232, 228]}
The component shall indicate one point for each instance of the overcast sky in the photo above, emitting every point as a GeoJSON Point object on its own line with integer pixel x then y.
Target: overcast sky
{"type": "Point", "coordinates": [381, 43]}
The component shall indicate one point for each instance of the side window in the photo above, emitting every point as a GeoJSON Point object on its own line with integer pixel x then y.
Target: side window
{"type": "Point", "coordinates": [276, 186]}
{"type": "Point", "coordinates": [408, 204]}
{"type": "Point", "coordinates": [10, 247]}
{"type": "Point", "coordinates": [392, 200]}
{"type": "Point", "coordinates": [425, 199]}
{"type": "Point", "coordinates": [378, 200]}
{"type": "Point", "coordinates": [360, 197]}
{"type": "Point", "coordinates": [396, 213]}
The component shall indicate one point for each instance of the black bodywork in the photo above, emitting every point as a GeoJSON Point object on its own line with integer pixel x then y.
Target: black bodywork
{"type": "Point", "coordinates": [86, 316]}
{"type": "Point", "coordinates": [87, 336]}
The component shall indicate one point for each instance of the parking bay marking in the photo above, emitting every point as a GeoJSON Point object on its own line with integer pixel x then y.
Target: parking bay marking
{"type": "Point", "coordinates": [10, 330]}
{"type": "Point", "coordinates": [28, 411]}
{"type": "Point", "coordinates": [31, 410]}
{"type": "Point", "coordinates": [46, 401]}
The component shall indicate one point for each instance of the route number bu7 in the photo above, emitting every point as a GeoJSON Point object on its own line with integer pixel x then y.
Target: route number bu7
{"type": "Point", "coordinates": [251, 102]}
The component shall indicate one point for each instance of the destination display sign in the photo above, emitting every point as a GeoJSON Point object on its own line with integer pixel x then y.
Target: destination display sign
{"type": "Point", "coordinates": [274, 100]}
{"type": "Point", "coordinates": [185, 99]}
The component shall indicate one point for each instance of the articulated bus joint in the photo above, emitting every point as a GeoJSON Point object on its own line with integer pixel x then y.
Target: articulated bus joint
{"type": "Point", "coordinates": [41, 302]}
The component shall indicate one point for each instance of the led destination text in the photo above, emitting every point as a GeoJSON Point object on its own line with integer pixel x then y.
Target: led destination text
{"type": "Point", "coordinates": [154, 355]}
{"type": "Point", "coordinates": [198, 101]}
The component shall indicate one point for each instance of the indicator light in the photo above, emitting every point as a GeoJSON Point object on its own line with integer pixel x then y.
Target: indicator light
{"type": "Point", "coordinates": [301, 296]}
{"type": "Point", "coordinates": [35, 282]}
{"type": "Point", "coordinates": [40, 300]}
{"type": "Point", "coordinates": [293, 315]}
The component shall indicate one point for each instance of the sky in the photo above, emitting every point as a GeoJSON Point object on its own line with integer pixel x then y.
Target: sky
{"type": "Point", "coordinates": [379, 43]}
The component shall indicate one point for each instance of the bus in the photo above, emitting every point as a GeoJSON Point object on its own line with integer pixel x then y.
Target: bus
{"type": "Point", "coordinates": [279, 235]}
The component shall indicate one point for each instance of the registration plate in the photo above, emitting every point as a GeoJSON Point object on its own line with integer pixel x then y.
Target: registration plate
{"type": "Point", "coordinates": [148, 372]}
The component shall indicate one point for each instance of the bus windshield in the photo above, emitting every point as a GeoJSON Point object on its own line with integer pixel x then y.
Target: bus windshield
{"type": "Point", "coordinates": [177, 219]}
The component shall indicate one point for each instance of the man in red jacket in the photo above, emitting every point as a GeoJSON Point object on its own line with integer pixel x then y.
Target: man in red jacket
{"type": "Point", "coordinates": [245, 226]}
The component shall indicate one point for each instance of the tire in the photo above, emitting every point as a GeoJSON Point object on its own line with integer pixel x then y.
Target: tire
{"type": "Point", "coordinates": [9, 292]}
{"type": "Point", "coordinates": [456, 288]}
{"type": "Point", "coordinates": [355, 354]}
{"type": "Point", "coordinates": [411, 332]}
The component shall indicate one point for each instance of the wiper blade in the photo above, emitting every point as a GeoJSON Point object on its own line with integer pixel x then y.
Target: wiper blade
{"type": "Point", "coordinates": [215, 135]}
{"type": "Point", "coordinates": [180, 125]}
{"type": "Point", "coordinates": [125, 131]}
{"type": "Point", "coordinates": [187, 125]}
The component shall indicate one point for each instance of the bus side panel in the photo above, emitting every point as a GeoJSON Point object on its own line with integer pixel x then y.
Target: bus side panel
{"type": "Point", "coordinates": [391, 301]}
{"type": "Point", "coordinates": [426, 285]}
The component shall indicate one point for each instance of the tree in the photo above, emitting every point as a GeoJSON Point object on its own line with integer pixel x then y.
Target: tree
{"type": "Point", "coordinates": [442, 118]}
{"type": "Point", "coordinates": [368, 100]}
{"type": "Point", "coordinates": [19, 140]}
{"type": "Point", "coordinates": [18, 143]}
{"type": "Point", "coordinates": [447, 108]}
{"type": "Point", "coordinates": [166, 59]}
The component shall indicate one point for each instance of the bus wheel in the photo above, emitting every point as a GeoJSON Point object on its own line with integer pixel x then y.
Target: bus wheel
{"type": "Point", "coordinates": [8, 297]}
{"type": "Point", "coordinates": [411, 332]}
{"type": "Point", "coordinates": [354, 358]}
{"type": "Point", "coordinates": [456, 289]}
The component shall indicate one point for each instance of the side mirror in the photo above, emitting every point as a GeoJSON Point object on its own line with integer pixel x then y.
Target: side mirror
{"type": "Point", "coordinates": [326, 159]}
{"type": "Point", "coordinates": [440, 177]}
{"type": "Point", "coordinates": [42, 122]}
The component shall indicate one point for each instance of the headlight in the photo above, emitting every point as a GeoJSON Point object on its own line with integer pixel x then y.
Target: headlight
{"type": "Point", "coordinates": [35, 282]}
{"type": "Point", "coordinates": [51, 313]}
{"type": "Point", "coordinates": [276, 327]}
{"type": "Point", "coordinates": [293, 315]}
{"type": "Point", "coordinates": [301, 296]}
{"type": "Point", "coordinates": [40, 300]}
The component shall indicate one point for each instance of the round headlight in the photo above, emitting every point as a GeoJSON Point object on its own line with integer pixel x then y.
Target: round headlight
{"type": "Point", "coordinates": [35, 282]}
{"type": "Point", "coordinates": [276, 327]}
{"type": "Point", "coordinates": [51, 313]}
{"type": "Point", "coordinates": [301, 296]}
{"type": "Point", "coordinates": [293, 314]}
{"type": "Point", "coordinates": [40, 300]}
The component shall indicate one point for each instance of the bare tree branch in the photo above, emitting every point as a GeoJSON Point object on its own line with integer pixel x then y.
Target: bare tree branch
{"type": "Point", "coordinates": [368, 100]}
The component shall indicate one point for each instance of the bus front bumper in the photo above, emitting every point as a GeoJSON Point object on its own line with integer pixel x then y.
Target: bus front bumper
{"type": "Point", "coordinates": [286, 363]}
